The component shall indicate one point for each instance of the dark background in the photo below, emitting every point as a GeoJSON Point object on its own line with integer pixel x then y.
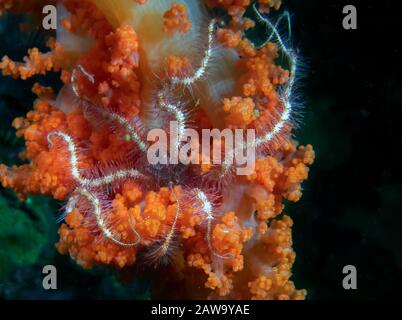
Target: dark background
{"type": "Point", "coordinates": [351, 210]}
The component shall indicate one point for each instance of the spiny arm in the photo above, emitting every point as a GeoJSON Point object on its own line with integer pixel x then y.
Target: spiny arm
{"type": "Point", "coordinates": [97, 210]}
{"type": "Point", "coordinates": [75, 172]}
{"type": "Point", "coordinates": [207, 211]}
{"type": "Point", "coordinates": [123, 122]}
{"type": "Point", "coordinates": [200, 72]}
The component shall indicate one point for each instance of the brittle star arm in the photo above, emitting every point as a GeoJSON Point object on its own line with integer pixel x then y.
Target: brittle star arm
{"type": "Point", "coordinates": [207, 209]}
{"type": "Point", "coordinates": [177, 114]}
{"type": "Point", "coordinates": [283, 16]}
{"type": "Point", "coordinates": [97, 210]}
{"type": "Point", "coordinates": [285, 97]}
{"type": "Point", "coordinates": [132, 132]}
{"type": "Point", "coordinates": [75, 172]}
{"type": "Point", "coordinates": [200, 72]}
{"type": "Point", "coordinates": [128, 127]}
{"type": "Point", "coordinates": [163, 250]}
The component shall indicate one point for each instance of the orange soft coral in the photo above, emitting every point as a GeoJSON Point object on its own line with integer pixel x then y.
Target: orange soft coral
{"type": "Point", "coordinates": [241, 112]}
{"type": "Point", "coordinates": [273, 282]}
{"type": "Point", "coordinates": [238, 7]}
{"type": "Point", "coordinates": [149, 221]}
{"type": "Point", "coordinates": [86, 18]}
{"type": "Point", "coordinates": [176, 19]}
{"type": "Point", "coordinates": [85, 144]}
{"type": "Point", "coordinates": [35, 63]}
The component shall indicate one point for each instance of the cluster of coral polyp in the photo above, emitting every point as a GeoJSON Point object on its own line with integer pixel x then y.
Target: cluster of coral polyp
{"type": "Point", "coordinates": [128, 66]}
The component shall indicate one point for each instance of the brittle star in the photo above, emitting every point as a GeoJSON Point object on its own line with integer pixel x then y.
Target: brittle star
{"type": "Point", "coordinates": [86, 188]}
